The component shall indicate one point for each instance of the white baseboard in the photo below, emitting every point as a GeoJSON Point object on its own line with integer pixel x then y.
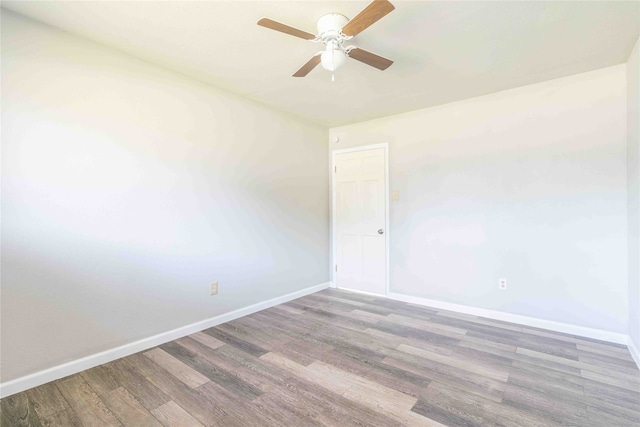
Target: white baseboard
{"type": "Point", "coordinates": [42, 377]}
{"type": "Point", "coordinates": [566, 328]}
{"type": "Point", "coordinates": [634, 352]}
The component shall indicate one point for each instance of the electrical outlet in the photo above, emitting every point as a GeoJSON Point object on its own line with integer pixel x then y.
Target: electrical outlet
{"type": "Point", "coordinates": [502, 284]}
{"type": "Point", "coordinates": [213, 289]}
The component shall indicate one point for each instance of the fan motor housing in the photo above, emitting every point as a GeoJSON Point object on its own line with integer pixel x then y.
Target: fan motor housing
{"type": "Point", "coordinates": [330, 26]}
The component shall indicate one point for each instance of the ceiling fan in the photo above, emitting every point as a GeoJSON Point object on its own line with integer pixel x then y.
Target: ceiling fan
{"type": "Point", "coordinates": [333, 30]}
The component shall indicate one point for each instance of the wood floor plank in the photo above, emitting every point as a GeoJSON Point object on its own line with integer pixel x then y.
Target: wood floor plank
{"type": "Point", "coordinates": [335, 383]}
{"type": "Point", "coordinates": [320, 303]}
{"type": "Point", "coordinates": [273, 336]}
{"type": "Point", "coordinates": [287, 309]}
{"type": "Point", "coordinates": [238, 363]}
{"type": "Point", "coordinates": [338, 299]}
{"type": "Point", "coordinates": [100, 379]}
{"type": "Point", "coordinates": [494, 336]}
{"type": "Point", "coordinates": [359, 342]}
{"type": "Point", "coordinates": [624, 366]}
{"type": "Point", "coordinates": [375, 309]}
{"type": "Point", "coordinates": [368, 316]}
{"type": "Point", "coordinates": [546, 381]}
{"type": "Point", "coordinates": [611, 394]}
{"type": "Point", "coordinates": [324, 406]}
{"type": "Point", "coordinates": [324, 403]}
{"type": "Point", "coordinates": [345, 416]}
{"type": "Point", "coordinates": [462, 379]}
{"type": "Point", "coordinates": [482, 321]}
{"type": "Point", "coordinates": [612, 410]}
{"type": "Point", "coordinates": [196, 404]}
{"type": "Point", "coordinates": [128, 410]}
{"type": "Point", "coordinates": [496, 374]}
{"type": "Point", "coordinates": [403, 308]}
{"type": "Point", "coordinates": [426, 325]}
{"type": "Point", "coordinates": [554, 347]}
{"type": "Point", "coordinates": [144, 391]}
{"type": "Point", "coordinates": [387, 375]}
{"type": "Point", "coordinates": [250, 348]}
{"type": "Point", "coordinates": [327, 315]}
{"type": "Point", "coordinates": [17, 410]}
{"type": "Point", "coordinates": [207, 340]}
{"type": "Point", "coordinates": [214, 373]}
{"type": "Point", "coordinates": [631, 383]}
{"type": "Point", "coordinates": [285, 409]}
{"type": "Point", "coordinates": [323, 395]}
{"type": "Point", "coordinates": [258, 336]}
{"type": "Point", "coordinates": [184, 373]}
{"type": "Point", "coordinates": [253, 365]}
{"type": "Point", "coordinates": [398, 379]}
{"type": "Point", "coordinates": [347, 362]}
{"type": "Point", "coordinates": [302, 351]}
{"type": "Point", "coordinates": [66, 418]}
{"type": "Point", "coordinates": [360, 389]}
{"type": "Point", "coordinates": [614, 352]}
{"type": "Point", "coordinates": [172, 415]}
{"type": "Point", "coordinates": [239, 412]}
{"type": "Point", "coordinates": [89, 408]}
{"type": "Point", "coordinates": [483, 358]}
{"type": "Point", "coordinates": [310, 301]}
{"type": "Point", "coordinates": [595, 370]}
{"type": "Point", "coordinates": [415, 333]}
{"type": "Point", "coordinates": [509, 416]}
{"type": "Point", "coordinates": [47, 400]}
{"type": "Point", "coordinates": [450, 406]}
{"type": "Point", "coordinates": [369, 350]}
{"type": "Point", "coordinates": [583, 341]}
{"type": "Point", "coordinates": [394, 341]}
{"type": "Point", "coordinates": [484, 345]}
{"type": "Point", "coordinates": [562, 410]}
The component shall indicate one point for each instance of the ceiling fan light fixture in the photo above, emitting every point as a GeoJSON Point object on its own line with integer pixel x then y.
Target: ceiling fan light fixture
{"type": "Point", "coordinates": [333, 30]}
{"type": "Point", "coordinates": [332, 58]}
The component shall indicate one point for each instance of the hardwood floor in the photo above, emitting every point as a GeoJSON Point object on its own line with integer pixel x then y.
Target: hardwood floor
{"type": "Point", "coordinates": [340, 359]}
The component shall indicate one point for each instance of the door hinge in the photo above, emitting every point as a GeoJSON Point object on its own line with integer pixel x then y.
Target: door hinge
{"type": "Point", "coordinates": [336, 268]}
{"type": "Point", "coordinates": [335, 169]}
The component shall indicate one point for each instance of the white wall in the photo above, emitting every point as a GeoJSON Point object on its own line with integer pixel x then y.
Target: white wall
{"type": "Point", "coordinates": [633, 191]}
{"type": "Point", "coordinates": [127, 188]}
{"type": "Point", "coordinates": [527, 184]}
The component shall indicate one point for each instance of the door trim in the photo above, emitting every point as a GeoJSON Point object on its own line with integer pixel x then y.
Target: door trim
{"type": "Point", "coordinates": [334, 249]}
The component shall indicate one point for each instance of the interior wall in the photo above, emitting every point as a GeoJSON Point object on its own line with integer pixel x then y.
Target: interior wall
{"type": "Point", "coordinates": [633, 191]}
{"type": "Point", "coordinates": [527, 184]}
{"type": "Point", "coordinates": [128, 188]}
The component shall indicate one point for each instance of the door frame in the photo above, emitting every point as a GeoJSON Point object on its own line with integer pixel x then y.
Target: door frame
{"type": "Point", "coordinates": [334, 246]}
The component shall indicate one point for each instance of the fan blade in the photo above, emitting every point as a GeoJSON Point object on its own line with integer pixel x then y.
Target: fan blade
{"type": "Point", "coordinates": [376, 10]}
{"type": "Point", "coordinates": [370, 58]}
{"type": "Point", "coordinates": [268, 23]}
{"type": "Point", "coordinates": [310, 65]}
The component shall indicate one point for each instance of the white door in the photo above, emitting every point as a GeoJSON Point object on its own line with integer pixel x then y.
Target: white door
{"type": "Point", "coordinates": [360, 198]}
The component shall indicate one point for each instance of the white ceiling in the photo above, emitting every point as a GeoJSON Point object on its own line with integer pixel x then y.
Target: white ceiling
{"type": "Point", "coordinates": [444, 51]}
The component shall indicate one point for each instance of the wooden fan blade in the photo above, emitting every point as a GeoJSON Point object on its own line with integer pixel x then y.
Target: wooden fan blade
{"type": "Point", "coordinates": [376, 10]}
{"type": "Point", "coordinates": [310, 65]}
{"type": "Point", "coordinates": [370, 58]}
{"type": "Point", "coordinates": [268, 23]}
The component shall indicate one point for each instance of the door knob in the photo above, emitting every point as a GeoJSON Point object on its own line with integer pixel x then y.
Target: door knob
{"type": "Point", "coordinates": [381, 231]}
